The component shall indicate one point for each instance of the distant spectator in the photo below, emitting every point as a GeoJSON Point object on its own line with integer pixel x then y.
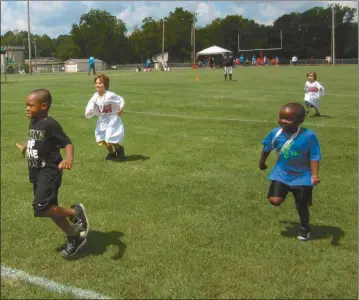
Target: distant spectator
{"type": "Point", "coordinates": [91, 65]}
{"type": "Point", "coordinates": [265, 61]}
{"type": "Point", "coordinates": [294, 60]}
{"type": "Point", "coordinates": [148, 63]}
{"type": "Point", "coordinates": [212, 62]}
{"type": "Point", "coordinates": [254, 61]}
{"type": "Point", "coordinates": [276, 59]}
{"type": "Point", "coordinates": [328, 59]}
{"type": "Point", "coordinates": [242, 60]}
{"type": "Point", "coordinates": [228, 66]}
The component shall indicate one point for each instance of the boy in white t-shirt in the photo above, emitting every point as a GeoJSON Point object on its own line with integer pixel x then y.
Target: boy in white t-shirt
{"type": "Point", "coordinates": [313, 91]}
{"type": "Point", "coordinates": [109, 128]}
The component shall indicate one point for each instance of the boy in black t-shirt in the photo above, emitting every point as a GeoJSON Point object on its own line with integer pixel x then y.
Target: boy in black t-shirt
{"type": "Point", "coordinates": [45, 138]}
{"type": "Point", "coordinates": [228, 66]}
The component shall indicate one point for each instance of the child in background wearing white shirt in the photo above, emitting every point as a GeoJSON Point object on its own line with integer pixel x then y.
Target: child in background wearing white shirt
{"type": "Point", "coordinates": [109, 128]}
{"type": "Point", "coordinates": [313, 91]}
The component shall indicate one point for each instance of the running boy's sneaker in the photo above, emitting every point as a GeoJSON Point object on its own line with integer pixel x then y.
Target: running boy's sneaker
{"type": "Point", "coordinates": [121, 153]}
{"type": "Point", "coordinates": [304, 234]}
{"type": "Point", "coordinates": [73, 246]}
{"type": "Point", "coordinates": [111, 156]}
{"type": "Point", "coordinates": [80, 221]}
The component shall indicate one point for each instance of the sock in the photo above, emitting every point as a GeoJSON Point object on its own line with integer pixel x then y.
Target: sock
{"type": "Point", "coordinates": [230, 76]}
{"type": "Point", "coordinates": [225, 77]}
{"type": "Point", "coordinates": [303, 212]}
{"type": "Point", "coordinates": [110, 149]}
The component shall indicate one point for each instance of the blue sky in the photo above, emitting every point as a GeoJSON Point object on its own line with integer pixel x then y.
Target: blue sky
{"type": "Point", "coordinates": [56, 17]}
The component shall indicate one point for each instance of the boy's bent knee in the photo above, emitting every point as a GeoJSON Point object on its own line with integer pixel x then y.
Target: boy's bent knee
{"type": "Point", "coordinates": [276, 201]}
{"type": "Point", "coordinates": [45, 212]}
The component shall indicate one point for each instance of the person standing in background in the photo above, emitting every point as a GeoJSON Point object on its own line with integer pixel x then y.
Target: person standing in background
{"type": "Point", "coordinates": [92, 65]}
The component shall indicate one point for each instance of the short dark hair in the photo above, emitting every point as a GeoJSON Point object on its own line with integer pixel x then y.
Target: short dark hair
{"type": "Point", "coordinates": [43, 96]}
{"type": "Point", "coordinates": [298, 108]}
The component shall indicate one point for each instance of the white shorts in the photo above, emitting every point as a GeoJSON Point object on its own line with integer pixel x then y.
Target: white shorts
{"type": "Point", "coordinates": [228, 70]}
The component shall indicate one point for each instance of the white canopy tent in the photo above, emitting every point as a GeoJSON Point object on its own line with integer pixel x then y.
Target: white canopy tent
{"type": "Point", "coordinates": [214, 50]}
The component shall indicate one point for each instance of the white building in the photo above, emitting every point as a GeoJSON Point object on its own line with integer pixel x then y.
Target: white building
{"type": "Point", "coordinates": [82, 65]}
{"type": "Point", "coordinates": [45, 64]}
{"type": "Point", "coordinates": [14, 54]}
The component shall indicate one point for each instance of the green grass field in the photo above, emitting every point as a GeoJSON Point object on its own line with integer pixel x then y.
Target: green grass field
{"type": "Point", "coordinates": [186, 216]}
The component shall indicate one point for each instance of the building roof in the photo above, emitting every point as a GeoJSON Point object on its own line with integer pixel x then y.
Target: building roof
{"type": "Point", "coordinates": [44, 61]}
{"type": "Point", "coordinates": [7, 47]}
{"type": "Point", "coordinates": [79, 60]}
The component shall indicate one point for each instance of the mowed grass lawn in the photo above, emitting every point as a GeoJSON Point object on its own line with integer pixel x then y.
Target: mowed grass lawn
{"type": "Point", "coordinates": [186, 216]}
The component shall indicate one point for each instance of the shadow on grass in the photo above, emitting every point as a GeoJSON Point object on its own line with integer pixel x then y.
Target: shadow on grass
{"type": "Point", "coordinates": [318, 232]}
{"type": "Point", "coordinates": [133, 157]}
{"type": "Point", "coordinates": [97, 243]}
{"type": "Point", "coordinates": [321, 116]}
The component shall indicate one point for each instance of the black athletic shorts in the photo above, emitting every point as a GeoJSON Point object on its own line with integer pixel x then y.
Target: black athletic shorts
{"type": "Point", "coordinates": [46, 188]}
{"type": "Point", "coordinates": [302, 194]}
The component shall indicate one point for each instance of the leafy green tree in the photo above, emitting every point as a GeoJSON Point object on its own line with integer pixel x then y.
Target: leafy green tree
{"type": "Point", "coordinates": [308, 34]}
{"type": "Point", "coordinates": [66, 48]}
{"type": "Point", "coordinates": [98, 33]}
{"type": "Point", "coordinates": [102, 35]}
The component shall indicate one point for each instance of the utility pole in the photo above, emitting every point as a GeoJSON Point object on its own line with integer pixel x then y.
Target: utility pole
{"type": "Point", "coordinates": [191, 43]}
{"type": "Point", "coordinates": [28, 35]}
{"type": "Point", "coordinates": [194, 44]}
{"type": "Point", "coordinates": [35, 54]}
{"type": "Point", "coordinates": [333, 33]}
{"type": "Point", "coordinates": [193, 38]}
{"type": "Point", "coordinates": [163, 35]}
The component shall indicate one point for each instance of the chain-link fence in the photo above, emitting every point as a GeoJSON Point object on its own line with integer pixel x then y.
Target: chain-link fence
{"type": "Point", "coordinates": [313, 61]}
{"type": "Point", "coordinates": [300, 62]}
{"type": "Point", "coordinates": [319, 62]}
{"type": "Point", "coordinates": [59, 68]}
{"type": "Point", "coordinates": [12, 69]}
{"type": "Point", "coordinates": [24, 69]}
{"type": "Point", "coordinates": [48, 68]}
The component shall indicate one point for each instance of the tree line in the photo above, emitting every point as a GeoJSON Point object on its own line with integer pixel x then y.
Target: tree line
{"type": "Point", "coordinates": [104, 36]}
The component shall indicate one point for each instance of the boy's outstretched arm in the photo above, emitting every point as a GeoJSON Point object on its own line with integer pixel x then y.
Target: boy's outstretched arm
{"type": "Point", "coordinates": [67, 162]}
{"type": "Point", "coordinates": [262, 160]}
{"type": "Point", "coordinates": [22, 148]}
{"type": "Point", "coordinates": [314, 167]}
{"type": "Point", "coordinates": [119, 112]}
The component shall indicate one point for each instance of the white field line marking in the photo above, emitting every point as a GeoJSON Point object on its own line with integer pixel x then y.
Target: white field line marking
{"type": "Point", "coordinates": [228, 119]}
{"type": "Point", "coordinates": [48, 284]}
{"type": "Point", "coordinates": [201, 118]}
